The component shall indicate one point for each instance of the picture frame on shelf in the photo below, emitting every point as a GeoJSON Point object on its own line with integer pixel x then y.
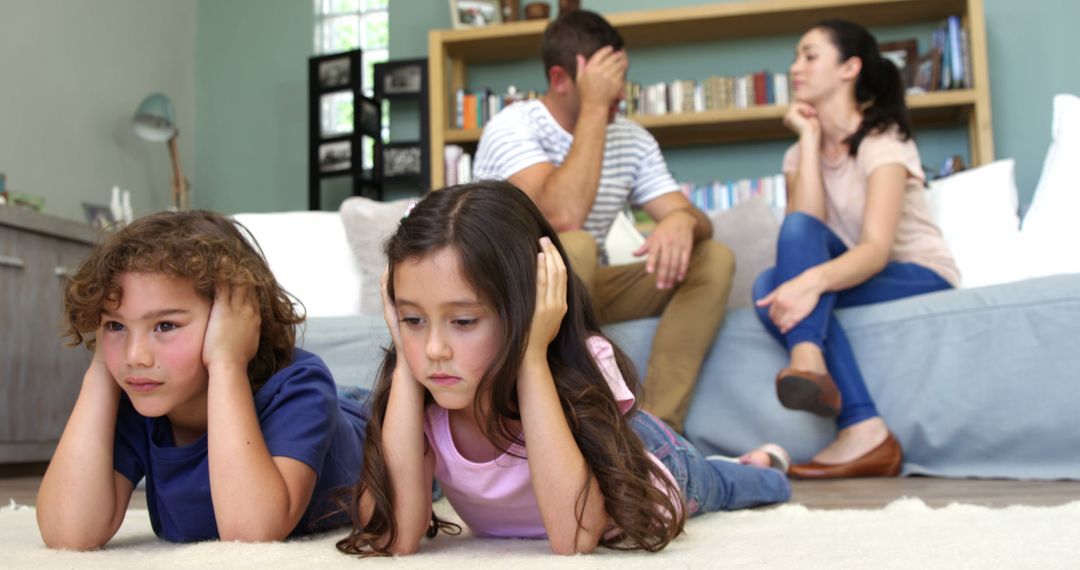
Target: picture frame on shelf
{"type": "Point", "coordinates": [369, 117]}
{"type": "Point", "coordinates": [98, 215]}
{"type": "Point", "coordinates": [402, 160]}
{"type": "Point", "coordinates": [475, 13]}
{"type": "Point", "coordinates": [903, 53]}
{"type": "Point", "coordinates": [926, 71]}
{"type": "Point", "coordinates": [335, 73]}
{"type": "Point", "coordinates": [403, 79]}
{"type": "Point", "coordinates": [335, 156]}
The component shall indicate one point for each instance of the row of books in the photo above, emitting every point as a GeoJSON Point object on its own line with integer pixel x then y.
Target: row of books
{"type": "Point", "coordinates": [458, 165]}
{"type": "Point", "coordinates": [717, 196]}
{"type": "Point", "coordinates": [714, 93]}
{"type": "Point", "coordinates": [474, 110]}
{"type": "Point", "coordinates": [951, 40]}
{"type": "Point", "coordinates": [945, 65]}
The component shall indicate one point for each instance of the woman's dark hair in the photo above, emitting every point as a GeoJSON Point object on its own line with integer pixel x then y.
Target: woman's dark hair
{"type": "Point", "coordinates": [495, 230]}
{"type": "Point", "coordinates": [879, 90]}
{"type": "Point", "coordinates": [204, 247]}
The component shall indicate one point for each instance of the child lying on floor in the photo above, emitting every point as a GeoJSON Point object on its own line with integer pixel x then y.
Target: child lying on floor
{"type": "Point", "coordinates": [195, 386]}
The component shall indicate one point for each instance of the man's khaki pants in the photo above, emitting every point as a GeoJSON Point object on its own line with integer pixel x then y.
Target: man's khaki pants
{"type": "Point", "coordinates": [690, 314]}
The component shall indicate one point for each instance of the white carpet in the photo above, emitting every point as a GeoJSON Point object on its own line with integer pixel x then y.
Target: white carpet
{"type": "Point", "coordinates": [905, 534]}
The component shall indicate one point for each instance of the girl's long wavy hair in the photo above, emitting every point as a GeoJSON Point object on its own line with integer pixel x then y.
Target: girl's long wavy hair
{"type": "Point", "coordinates": [879, 89]}
{"type": "Point", "coordinates": [495, 229]}
{"type": "Point", "coordinates": [204, 247]}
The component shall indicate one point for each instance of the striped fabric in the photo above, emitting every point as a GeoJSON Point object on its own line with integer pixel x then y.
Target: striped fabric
{"type": "Point", "coordinates": [525, 134]}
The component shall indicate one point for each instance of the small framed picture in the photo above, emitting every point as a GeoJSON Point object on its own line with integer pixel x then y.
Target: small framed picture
{"type": "Point", "coordinates": [99, 216]}
{"type": "Point", "coordinates": [335, 156]}
{"type": "Point", "coordinates": [369, 117]}
{"type": "Point", "coordinates": [475, 13]}
{"type": "Point", "coordinates": [902, 53]}
{"type": "Point", "coordinates": [404, 79]}
{"type": "Point", "coordinates": [926, 71]}
{"type": "Point", "coordinates": [334, 73]}
{"type": "Point", "coordinates": [401, 160]}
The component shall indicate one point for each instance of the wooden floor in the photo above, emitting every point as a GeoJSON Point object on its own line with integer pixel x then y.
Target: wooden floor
{"type": "Point", "coordinates": [841, 494]}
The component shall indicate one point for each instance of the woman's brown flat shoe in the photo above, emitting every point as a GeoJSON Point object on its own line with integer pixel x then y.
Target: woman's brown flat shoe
{"type": "Point", "coordinates": [814, 393]}
{"type": "Point", "coordinates": [884, 460]}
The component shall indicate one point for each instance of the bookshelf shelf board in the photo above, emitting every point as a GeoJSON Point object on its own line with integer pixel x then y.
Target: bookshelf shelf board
{"type": "Point", "coordinates": [761, 122]}
{"type": "Point", "coordinates": [713, 22]}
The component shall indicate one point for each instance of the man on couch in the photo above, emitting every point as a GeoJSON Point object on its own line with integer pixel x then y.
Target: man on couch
{"type": "Point", "coordinates": [582, 165]}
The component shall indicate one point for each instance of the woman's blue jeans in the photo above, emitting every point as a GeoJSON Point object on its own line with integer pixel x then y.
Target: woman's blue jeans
{"type": "Point", "coordinates": [709, 485]}
{"type": "Point", "coordinates": [806, 242]}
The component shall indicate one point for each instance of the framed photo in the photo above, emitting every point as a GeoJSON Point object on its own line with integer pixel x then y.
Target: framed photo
{"type": "Point", "coordinates": [335, 73]}
{"type": "Point", "coordinates": [335, 156]}
{"type": "Point", "coordinates": [926, 71]}
{"type": "Point", "coordinates": [99, 216]}
{"type": "Point", "coordinates": [403, 79]}
{"type": "Point", "coordinates": [475, 13]}
{"type": "Point", "coordinates": [369, 117]}
{"type": "Point", "coordinates": [902, 53]}
{"type": "Point", "coordinates": [401, 160]}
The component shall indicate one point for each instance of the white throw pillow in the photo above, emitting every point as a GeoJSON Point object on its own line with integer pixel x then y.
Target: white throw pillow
{"type": "Point", "coordinates": [309, 256]}
{"type": "Point", "coordinates": [367, 225]}
{"type": "Point", "coordinates": [749, 229]}
{"type": "Point", "coordinates": [1051, 234]}
{"type": "Point", "coordinates": [976, 211]}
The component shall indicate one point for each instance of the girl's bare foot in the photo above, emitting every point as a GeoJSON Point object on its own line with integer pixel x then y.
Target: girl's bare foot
{"type": "Point", "coordinates": [768, 455]}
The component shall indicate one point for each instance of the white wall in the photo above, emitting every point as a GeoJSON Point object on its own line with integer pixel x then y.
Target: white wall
{"type": "Point", "coordinates": [72, 73]}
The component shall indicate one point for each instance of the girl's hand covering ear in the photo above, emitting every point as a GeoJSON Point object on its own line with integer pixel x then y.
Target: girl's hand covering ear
{"type": "Point", "coordinates": [550, 296]}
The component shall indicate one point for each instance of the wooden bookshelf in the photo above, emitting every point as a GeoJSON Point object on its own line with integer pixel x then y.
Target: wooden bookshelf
{"type": "Point", "coordinates": [452, 51]}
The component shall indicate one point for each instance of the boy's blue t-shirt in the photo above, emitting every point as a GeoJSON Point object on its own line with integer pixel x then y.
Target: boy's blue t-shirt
{"type": "Point", "coordinates": [301, 418]}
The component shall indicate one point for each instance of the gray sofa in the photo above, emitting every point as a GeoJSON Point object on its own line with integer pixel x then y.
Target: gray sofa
{"type": "Point", "coordinates": [980, 382]}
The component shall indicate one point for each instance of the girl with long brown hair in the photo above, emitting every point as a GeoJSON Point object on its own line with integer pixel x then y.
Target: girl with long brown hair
{"type": "Point", "coordinates": [500, 387]}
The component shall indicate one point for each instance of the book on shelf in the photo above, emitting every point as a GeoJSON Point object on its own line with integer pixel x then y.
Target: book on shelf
{"type": "Point", "coordinates": [474, 109]}
{"type": "Point", "coordinates": [718, 196]}
{"type": "Point", "coordinates": [457, 165]}
{"type": "Point", "coordinates": [947, 63]}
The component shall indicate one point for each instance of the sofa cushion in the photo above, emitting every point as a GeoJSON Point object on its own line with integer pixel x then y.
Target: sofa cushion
{"type": "Point", "coordinates": [1050, 232]}
{"type": "Point", "coordinates": [977, 212]}
{"type": "Point", "coordinates": [368, 223]}
{"type": "Point", "coordinates": [749, 229]}
{"type": "Point", "coordinates": [974, 382]}
{"type": "Point", "coordinates": [309, 256]}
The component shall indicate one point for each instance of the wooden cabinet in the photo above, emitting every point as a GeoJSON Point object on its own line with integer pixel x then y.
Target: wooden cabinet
{"type": "Point", "coordinates": [450, 53]}
{"type": "Point", "coordinates": [39, 377]}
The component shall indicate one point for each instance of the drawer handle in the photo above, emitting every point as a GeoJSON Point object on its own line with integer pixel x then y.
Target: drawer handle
{"type": "Point", "coordinates": [11, 261]}
{"type": "Point", "coordinates": [61, 271]}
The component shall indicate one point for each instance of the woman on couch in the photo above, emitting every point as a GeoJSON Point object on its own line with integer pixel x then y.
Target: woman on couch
{"type": "Point", "coordinates": [857, 231]}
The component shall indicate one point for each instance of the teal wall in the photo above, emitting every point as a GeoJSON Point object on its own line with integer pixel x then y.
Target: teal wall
{"type": "Point", "coordinates": [252, 115]}
{"type": "Point", "coordinates": [71, 76]}
{"type": "Point", "coordinates": [251, 95]}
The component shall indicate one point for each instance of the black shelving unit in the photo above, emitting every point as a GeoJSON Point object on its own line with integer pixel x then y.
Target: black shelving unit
{"type": "Point", "coordinates": [336, 155]}
{"type": "Point", "coordinates": [404, 162]}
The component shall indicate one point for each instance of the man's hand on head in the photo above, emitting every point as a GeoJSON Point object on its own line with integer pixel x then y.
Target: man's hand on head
{"type": "Point", "coordinates": [601, 79]}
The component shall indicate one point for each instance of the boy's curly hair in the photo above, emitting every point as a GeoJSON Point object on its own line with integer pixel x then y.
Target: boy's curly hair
{"type": "Point", "coordinates": [204, 247]}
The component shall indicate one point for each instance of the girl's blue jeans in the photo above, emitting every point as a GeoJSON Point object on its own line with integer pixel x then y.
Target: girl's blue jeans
{"type": "Point", "coordinates": [709, 485]}
{"type": "Point", "coordinates": [806, 242]}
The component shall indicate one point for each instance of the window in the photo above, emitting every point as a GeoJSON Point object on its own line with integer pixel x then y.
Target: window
{"type": "Point", "coordinates": [343, 25]}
